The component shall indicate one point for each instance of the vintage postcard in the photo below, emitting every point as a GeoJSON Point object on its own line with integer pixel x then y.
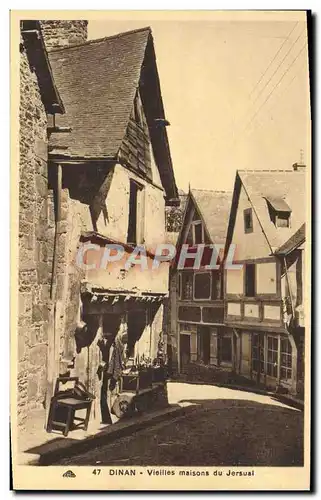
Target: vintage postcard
{"type": "Point", "coordinates": [161, 250]}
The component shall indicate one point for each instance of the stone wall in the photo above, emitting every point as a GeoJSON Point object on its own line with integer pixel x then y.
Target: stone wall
{"type": "Point", "coordinates": [62, 33]}
{"type": "Point", "coordinates": [35, 246]}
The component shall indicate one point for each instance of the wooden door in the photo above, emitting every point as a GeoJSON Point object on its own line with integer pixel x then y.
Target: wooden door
{"type": "Point", "coordinates": [185, 350]}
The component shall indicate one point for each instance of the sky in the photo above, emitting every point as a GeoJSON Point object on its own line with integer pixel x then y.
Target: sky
{"type": "Point", "coordinates": [235, 88]}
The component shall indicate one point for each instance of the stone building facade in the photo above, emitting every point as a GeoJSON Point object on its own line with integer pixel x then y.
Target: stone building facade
{"type": "Point", "coordinates": [36, 222]}
{"type": "Point", "coordinates": [77, 186]}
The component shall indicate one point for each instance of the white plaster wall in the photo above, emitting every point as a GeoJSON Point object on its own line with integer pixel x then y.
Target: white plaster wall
{"type": "Point", "coordinates": [115, 225]}
{"type": "Point", "coordinates": [266, 277]}
{"type": "Point", "coordinates": [251, 310]}
{"type": "Point", "coordinates": [271, 312]}
{"type": "Point", "coordinates": [251, 245]}
{"type": "Point", "coordinates": [234, 281]}
{"type": "Point", "coordinates": [234, 308]}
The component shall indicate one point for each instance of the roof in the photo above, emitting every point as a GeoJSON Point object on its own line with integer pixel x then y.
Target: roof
{"type": "Point", "coordinates": [286, 185]}
{"type": "Point", "coordinates": [293, 242]}
{"type": "Point", "coordinates": [214, 208]}
{"type": "Point", "coordinates": [38, 58]}
{"type": "Point", "coordinates": [97, 81]}
{"type": "Point", "coordinates": [278, 204]}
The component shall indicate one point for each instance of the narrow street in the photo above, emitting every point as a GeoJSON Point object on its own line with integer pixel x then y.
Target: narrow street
{"type": "Point", "coordinates": [229, 427]}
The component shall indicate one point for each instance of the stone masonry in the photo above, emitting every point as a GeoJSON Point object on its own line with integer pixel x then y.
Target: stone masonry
{"type": "Point", "coordinates": [62, 33]}
{"type": "Point", "coordinates": [36, 228]}
{"type": "Point", "coordinates": [35, 246]}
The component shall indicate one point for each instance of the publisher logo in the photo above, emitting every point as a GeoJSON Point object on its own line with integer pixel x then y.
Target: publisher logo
{"type": "Point", "coordinates": [69, 473]}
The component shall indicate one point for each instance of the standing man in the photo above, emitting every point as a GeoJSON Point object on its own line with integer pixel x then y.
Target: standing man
{"type": "Point", "coordinates": [104, 344]}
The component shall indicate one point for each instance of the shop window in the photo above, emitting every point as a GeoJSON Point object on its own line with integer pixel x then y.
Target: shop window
{"type": "Point", "coordinates": [248, 220]}
{"type": "Point", "coordinates": [186, 327]}
{"type": "Point", "coordinates": [286, 360]}
{"type": "Point", "coordinates": [202, 284]}
{"type": "Point", "coordinates": [272, 356]}
{"type": "Point", "coordinates": [192, 314]}
{"type": "Point", "coordinates": [249, 280]}
{"type": "Point", "coordinates": [226, 349]}
{"type": "Point", "coordinates": [257, 354]}
{"type": "Point", "coordinates": [187, 285]}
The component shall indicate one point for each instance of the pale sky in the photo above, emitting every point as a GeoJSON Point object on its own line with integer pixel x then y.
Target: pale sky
{"type": "Point", "coordinates": [226, 111]}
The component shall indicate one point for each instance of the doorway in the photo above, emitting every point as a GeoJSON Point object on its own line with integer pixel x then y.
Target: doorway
{"type": "Point", "coordinates": [185, 350]}
{"type": "Point", "coordinates": [204, 344]}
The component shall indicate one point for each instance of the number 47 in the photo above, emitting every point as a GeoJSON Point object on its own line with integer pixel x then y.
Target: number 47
{"type": "Point", "coordinates": [96, 472]}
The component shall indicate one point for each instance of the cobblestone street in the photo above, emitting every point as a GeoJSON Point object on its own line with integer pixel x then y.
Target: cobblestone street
{"type": "Point", "coordinates": [229, 428]}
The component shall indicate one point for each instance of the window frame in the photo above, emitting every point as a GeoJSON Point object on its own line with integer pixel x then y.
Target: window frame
{"type": "Point", "coordinates": [194, 224]}
{"type": "Point", "coordinates": [181, 297]}
{"type": "Point", "coordinates": [282, 366]}
{"type": "Point", "coordinates": [245, 280]}
{"type": "Point", "coordinates": [140, 213]}
{"type": "Point", "coordinates": [277, 218]}
{"type": "Point", "coordinates": [248, 212]}
{"type": "Point", "coordinates": [194, 286]}
{"type": "Point", "coordinates": [275, 352]}
{"type": "Point", "coordinates": [260, 350]}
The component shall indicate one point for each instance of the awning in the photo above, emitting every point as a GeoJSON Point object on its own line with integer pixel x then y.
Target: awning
{"type": "Point", "coordinates": [111, 297]}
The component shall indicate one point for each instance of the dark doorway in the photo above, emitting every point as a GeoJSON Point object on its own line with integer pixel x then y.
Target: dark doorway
{"type": "Point", "coordinates": [136, 325]}
{"type": "Point", "coordinates": [204, 344]}
{"type": "Point", "coordinates": [185, 350]}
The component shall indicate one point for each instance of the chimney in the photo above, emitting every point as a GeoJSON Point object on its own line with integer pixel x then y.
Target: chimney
{"type": "Point", "coordinates": [298, 167]}
{"type": "Point", "coordinates": [61, 33]}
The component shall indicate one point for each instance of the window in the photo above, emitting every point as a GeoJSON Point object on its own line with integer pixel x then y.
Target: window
{"type": "Point", "coordinates": [248, 220]}
{"type": "Point", "coordinates": [187, 285]}
{"type": "Point", "coordinates": [138, 110]}
{"type": "Point", "coordinates": [226, 349]}
{"type": "Point", "coordinates": [198, 233]}
{"type": "Point", "coordinates": [272, 356]}
{"type": "Point", "coordinates": [202, 285]}
{"type": "Point", "coordinates": [257, 353]}
{"type": "Point", "coordinates": [216, 285]}
{"type": "Point", "coordinates": [135, 216]}
{"type": "Point", "coordinates": [282, 219]}
{"type": "Point", "coordinates": [249, 280]}
{"type": "Point", "coordinates": [279, 211]}
{"type": "Point", "coordinates": [189, 237]}
{"type": "Point", "coordinates": [286, 360]}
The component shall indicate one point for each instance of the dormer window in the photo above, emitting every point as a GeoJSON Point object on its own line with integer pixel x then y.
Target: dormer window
{"type": "Point", "coordinates": [279, 211]}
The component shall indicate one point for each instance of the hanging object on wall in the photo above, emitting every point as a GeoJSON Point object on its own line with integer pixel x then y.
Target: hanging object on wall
{"type": "Point", "coordinates": [81, 336]}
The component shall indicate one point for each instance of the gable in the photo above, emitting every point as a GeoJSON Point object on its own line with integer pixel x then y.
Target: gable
{"type": "Point", "coordinates": [193, 229]}
{"type": "Point", "coordinates": [250, 245]}
{"type": "Point", "coordinates": [136, 149]}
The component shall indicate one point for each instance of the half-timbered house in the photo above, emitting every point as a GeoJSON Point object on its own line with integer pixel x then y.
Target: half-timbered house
{"type": "Point", "coordinates": [196, 292]}
{"type": "Point", "coordinates": [264, 296]}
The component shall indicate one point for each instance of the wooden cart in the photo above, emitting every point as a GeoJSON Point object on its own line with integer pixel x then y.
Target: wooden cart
{"type": "Point", "coordinates": [139, 391]}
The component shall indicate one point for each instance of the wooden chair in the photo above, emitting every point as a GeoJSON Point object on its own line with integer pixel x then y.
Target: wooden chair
{"type": "Point", "coordinates": [67, 401]}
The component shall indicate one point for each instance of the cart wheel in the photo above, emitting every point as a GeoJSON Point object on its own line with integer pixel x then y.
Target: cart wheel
{"type": "Point", "coordinates": [123, 406]}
